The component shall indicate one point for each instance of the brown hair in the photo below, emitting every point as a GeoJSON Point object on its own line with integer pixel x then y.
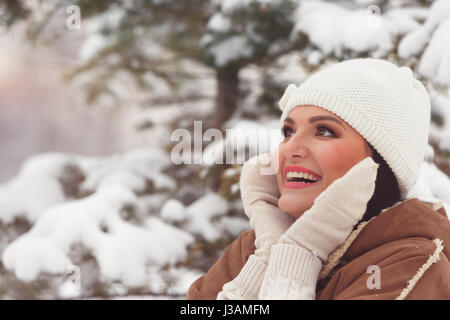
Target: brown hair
{"type": "Point", "coordinates": [387, 191]}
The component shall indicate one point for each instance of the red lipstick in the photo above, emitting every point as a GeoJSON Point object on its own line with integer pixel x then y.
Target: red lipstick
{"type": "Point", "coordinates": [299, 185]}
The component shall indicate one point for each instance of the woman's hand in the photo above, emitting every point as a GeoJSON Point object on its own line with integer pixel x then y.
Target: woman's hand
{"type": "Point", "coordinates": [330, 220]}
{"type": "Point", "coordinates": [260, 194]}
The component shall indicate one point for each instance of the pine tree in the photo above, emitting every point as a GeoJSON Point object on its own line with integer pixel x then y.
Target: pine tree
{"type": "Point", "coordinates": [242, 33]}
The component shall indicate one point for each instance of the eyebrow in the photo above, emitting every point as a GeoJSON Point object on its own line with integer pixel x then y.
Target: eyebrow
{"type": "Point", "coordinates": [318, 118]}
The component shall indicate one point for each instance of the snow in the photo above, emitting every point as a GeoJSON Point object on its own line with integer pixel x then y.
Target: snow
{"type": "Point", "coordinates": [230, 49]}
{"type": "Point", "coordinates": [93, 45]}
{"type": "Point", "coordinates": [432, 185]}
{"type": "Point", "coordinates": [96, 41]}
{"type": "Point", "coordinates": [152, 203]}
{"type": "Point", "coordinates": [291, 70]}
{"type": "Point", "coordinates": [70, 289]}
{"type": "Point", "coordinates": [219, 23]}
{"type": "Point", "coordinates": [431, 37]}
{"type": "Point", "coordinates": [228, 6]}
{"type": "Point", "coordinates": [130, 169]}
{"type": "Point", "coordinates": [38, 182]}
{"type": "Point", "coordinates": [39, 179]}
{"type": "Point", "coordinates": [202, 211]}
{"type": "Point", "coordinates": [124, 249]}
{"type": "Point", "coordinates": [173, 211]}
{"type": "Point", "coordinates": [366, 2]}
{"type": "Point", "coordinates": [440, 105]}
{"type": "Point", "coordinates": [314, 57]}
{"type": "Point", "coordinates": [406, 18]}
{"type": "Point", "coordinates": [28, 257]}
{"type": "Point", "coordinates": [121, 249]}
{"type": "Point", "coordinates": [234, 225]}
{"type": "Point", "coordinates": [130, 250]}
{"type": "Point", "coordinates": [435, 61]}
{"type": "Point", "coordinates": [413, 43]}
{"type": "Point", "coordinates": [336, 30]}
{"type": "Point", "coordinates": [333, 29]}
{"type": "Point", "coordinates": [439, 11]}
{"type": "Point", "coordinates": [438, 182]}
{"type": "Point", "coordinates": [234, 188]}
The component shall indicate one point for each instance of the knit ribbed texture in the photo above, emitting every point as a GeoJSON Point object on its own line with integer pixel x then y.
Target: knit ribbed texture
{"type": "Point", "coordinates": [381, 101]}
{"type": "Point", "coordinates": [247, 284]}
{"type": "Point", "coordinates": [292, 274]}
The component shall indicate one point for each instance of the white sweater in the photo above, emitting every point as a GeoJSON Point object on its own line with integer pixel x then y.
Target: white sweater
{"type": "Point", "coordinates": [292, 273]}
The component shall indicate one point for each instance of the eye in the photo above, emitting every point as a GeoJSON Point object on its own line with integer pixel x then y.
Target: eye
{"type": "Point", "coordinates": [324, 128]}
{"type": "Point", "coordinates": [286, 131]}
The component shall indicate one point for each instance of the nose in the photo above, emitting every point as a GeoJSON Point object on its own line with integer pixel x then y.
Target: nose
{"type": "Point", "coordinates": [297, 148]}
{"type": "Point", "coordinates": [301, 152]}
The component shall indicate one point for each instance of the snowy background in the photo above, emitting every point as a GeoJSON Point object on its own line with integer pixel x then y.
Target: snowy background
{"type": "Point", "coordinates": [92, 205]}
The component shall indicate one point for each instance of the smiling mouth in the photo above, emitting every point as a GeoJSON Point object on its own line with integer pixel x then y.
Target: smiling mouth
{"type": "Point", "coordinates": [299, 179]}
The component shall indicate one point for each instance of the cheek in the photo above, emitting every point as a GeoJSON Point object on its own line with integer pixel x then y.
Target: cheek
{"type": "Point", "coordinates": [280, 178]}
{"type": "Point", "coordinates": [337, 158]}
{"type": "Point", "coordinates": [331, 157]}
{"type": "Point", "coordinates": [280, 175]}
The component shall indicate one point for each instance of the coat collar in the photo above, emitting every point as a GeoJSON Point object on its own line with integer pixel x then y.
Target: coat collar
{"type": "Point", "coordinates": [408, 218]}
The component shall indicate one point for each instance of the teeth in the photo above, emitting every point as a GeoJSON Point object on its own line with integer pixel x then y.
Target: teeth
{"type": "Point", "coordinates": [293, 174]}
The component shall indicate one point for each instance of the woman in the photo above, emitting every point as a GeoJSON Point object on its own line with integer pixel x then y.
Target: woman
{"type": "Point", "coordinates": [336, 221]}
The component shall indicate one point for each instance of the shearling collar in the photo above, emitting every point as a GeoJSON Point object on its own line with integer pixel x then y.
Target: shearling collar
{"type": "Point", "coordinates": [408, 218]}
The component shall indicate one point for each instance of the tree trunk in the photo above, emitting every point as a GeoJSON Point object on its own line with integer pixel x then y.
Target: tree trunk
{"type": "Point", "coordinates": [227, 94]}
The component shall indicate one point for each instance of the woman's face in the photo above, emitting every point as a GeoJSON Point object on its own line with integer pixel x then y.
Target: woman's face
{"type": "Point", "coordinates": [312, 140]}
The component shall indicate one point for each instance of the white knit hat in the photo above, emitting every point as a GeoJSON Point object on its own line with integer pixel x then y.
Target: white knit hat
{"type": "Point", "coordinates": [381, 101]}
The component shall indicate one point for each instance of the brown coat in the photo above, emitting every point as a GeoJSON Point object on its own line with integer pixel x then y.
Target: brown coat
{"type": "Point", "coordinates": [408, 243]}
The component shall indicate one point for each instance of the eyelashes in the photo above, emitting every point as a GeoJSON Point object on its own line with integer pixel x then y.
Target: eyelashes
{"type": "Point", "coordinates": [285, 130]}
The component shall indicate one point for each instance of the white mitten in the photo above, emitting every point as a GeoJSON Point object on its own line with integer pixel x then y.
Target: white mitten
{"type": "Point", "coordinates": [294, 265]}
{"type": "Point", "coordinates": [330, 220]}
{"type": "Point", "coordinates": [260, 196]}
